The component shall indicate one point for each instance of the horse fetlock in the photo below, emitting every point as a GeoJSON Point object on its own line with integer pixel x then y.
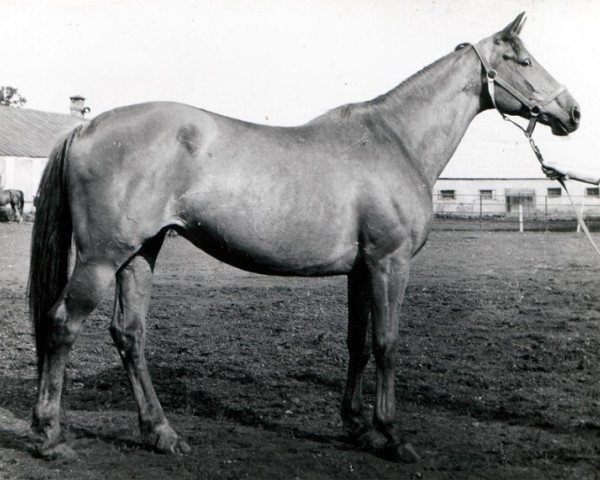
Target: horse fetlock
{"type": "Point", "coordinates": [356, 421]}
{"type": "Point", "coordinates": [386, 427]}
{"type": "Point", "coordinates": [49, 428]}
{"type": "Point", "coordinates": [44, 417]}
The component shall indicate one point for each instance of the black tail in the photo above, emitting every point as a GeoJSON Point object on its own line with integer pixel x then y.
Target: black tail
{"type": "Point", "coordinates": [50, 243]}
{"type": "Point", "coordinates": [21, 203]}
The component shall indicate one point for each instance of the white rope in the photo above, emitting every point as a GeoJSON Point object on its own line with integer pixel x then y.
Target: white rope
{"type": "Point", "coordinates": [580, 219]}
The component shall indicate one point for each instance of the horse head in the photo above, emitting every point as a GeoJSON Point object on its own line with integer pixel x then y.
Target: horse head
{"type": "Point", "coordinates": [522, 86]}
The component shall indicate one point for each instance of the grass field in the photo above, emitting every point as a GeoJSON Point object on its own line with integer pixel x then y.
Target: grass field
{"type": "Point", "coordinates": [497, 370]}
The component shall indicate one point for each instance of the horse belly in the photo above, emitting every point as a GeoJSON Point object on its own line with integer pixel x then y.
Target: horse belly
{"type": "Point", "coordinates": [271, 239]}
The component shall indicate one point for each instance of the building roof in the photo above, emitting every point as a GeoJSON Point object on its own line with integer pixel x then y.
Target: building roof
{"type": "Point", "coordinates": [32, 133]}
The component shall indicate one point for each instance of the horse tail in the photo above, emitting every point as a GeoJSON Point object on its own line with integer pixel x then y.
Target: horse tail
{"type": "Point", "coordinates": [50, 243]}
{"type": "Point", "coordinates": [21, 203]}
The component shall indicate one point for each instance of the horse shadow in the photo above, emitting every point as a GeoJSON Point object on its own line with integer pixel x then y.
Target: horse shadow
{"type": "Point", "coordinates": [108, 391]}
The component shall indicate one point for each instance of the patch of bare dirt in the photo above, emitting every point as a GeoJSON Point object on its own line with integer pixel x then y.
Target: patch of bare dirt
{"type": "Point", "coordinates": [497, 368]}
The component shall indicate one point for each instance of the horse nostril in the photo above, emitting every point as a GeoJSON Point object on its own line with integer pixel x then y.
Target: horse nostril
{"type": "Point", "coordinates": [575, 115]}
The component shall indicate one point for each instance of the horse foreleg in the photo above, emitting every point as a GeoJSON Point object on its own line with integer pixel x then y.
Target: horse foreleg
{"type": "Point", "coordinates": [80, 296]}
{"type": "Point", "coordinates": [359, 351]}
{"type": "Point", "coordinates": [128, 329]}
{"type": "Point", "coordinates": [389, 277]}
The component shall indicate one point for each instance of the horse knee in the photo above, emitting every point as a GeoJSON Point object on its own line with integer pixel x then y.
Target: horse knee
{"type": "Point", "coordinates": [384, 349]}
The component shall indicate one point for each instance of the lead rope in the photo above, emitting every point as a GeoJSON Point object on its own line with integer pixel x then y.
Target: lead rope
{"type": "Point", "coordinates": [538, 154]}
{"type": "Point", "coordinates": [561, 180]}
{"type": "Point", "coordinates": [534, 110]}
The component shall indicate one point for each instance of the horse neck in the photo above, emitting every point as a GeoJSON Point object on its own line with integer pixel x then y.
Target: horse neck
{"type": "Point", "coordinates": [431, 111]}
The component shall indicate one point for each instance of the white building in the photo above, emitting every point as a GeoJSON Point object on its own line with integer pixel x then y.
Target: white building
{"type": "Point", "coordinates": [26, 140]}
{"type": "Point", "coordinates": [494, 178]}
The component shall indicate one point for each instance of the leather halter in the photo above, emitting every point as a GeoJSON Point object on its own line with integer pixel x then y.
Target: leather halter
{"type": "Point", "coordinates": [492, 78]}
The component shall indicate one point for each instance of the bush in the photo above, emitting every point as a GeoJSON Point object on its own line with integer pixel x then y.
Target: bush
{"type": "Point", "coordinates": [6, 215]}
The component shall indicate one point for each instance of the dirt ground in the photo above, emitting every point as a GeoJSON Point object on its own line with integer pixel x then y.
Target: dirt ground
{"type": "Point", "coordinates": [497, 372]}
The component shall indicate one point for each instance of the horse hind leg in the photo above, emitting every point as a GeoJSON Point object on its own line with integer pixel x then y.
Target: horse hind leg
{"type": "Point", "coordinates": [128, 330]}
{"type": "Point", "coordinates": [359, 350]}
{"type": "Point", "coordinates": [80, 296]}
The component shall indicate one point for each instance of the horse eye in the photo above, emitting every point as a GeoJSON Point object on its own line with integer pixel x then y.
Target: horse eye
{"type": "Point", "coordinates": [525, 62]}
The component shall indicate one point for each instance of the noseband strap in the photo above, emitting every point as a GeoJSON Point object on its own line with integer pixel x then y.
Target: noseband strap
{"type": "Point", "coordinates": [493, 78]}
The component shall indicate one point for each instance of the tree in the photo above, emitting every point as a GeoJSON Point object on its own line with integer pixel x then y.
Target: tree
{"type": "Point", "coordinates": [10, 97]}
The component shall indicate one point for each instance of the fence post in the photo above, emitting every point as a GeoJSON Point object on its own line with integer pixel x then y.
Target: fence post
{"type": "Point", "coordinates": [480, 212]}
{"type": "Point", "coordinates": [546, 211]}
{"type": "Point", "coordinates": [578, 230]}
{"type": "Point", "coordinates": [520, 218]}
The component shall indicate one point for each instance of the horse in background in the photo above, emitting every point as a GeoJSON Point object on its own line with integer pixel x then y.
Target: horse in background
{"type": "Point", "coordinates": [16, 199]}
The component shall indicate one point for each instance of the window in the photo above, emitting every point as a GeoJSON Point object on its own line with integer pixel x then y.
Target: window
{"type": "Point", "coordinates": [447, 194]}
{"type": "Point", "coordinates": [520, 198]}
{"type": "Point", "coordinates": [486, 194]}
{"type": "Point", "coordinates": [555, 192]}
{"type": "Point", "coordinates": [592, 192]}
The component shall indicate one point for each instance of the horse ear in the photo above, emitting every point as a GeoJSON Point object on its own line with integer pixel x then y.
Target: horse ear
{"type": "Point", "coordinates": [514, 28]}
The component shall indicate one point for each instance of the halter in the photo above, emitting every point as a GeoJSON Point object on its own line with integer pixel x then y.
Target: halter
{"type": "Point", "coordinates": [535, 109]}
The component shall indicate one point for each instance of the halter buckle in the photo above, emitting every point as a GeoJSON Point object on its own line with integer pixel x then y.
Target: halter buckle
{"type": "Point", "coordinates": [535, 111]}
{"type": "Point", "coordinates": [491, 74]}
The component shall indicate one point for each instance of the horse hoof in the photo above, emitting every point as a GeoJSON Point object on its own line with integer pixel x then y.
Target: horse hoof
{"type": "Point", "coordinates": [59, 451]}
{"type": "Point", "coordinates": [163, 439]}
{"type": "Point", "coordinates": [176, 447]}
{"type": "Point", "coordinates": [400, 453]}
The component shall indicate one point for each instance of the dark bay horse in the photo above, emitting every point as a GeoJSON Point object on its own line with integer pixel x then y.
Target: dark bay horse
{"type": "Point", "coordinates": [349, 193]}
{"type": "Point", "coordinates": [16, 200]}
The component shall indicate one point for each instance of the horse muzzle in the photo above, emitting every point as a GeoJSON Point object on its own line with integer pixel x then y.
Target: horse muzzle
{"type": "Point", "coordinates": [566, 118]}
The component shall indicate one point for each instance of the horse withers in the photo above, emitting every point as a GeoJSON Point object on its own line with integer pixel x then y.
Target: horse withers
{"type": "Point", "coordinates": [16, 200]}
{"type": "Point", "coordinates": [348, 193]}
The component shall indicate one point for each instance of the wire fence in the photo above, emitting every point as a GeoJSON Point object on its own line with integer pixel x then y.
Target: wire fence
{"type": "Point", "coordinates": [517, 211]}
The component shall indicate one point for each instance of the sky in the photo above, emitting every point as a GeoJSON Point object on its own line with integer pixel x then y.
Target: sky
{"type": "Point", "coordinates": [285, 62]}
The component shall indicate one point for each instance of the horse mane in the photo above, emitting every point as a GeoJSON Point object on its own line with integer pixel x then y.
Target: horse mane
{"type": "Point", "coordinates": [351, 109]}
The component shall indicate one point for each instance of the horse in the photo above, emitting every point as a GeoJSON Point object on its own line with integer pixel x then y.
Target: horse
{"type": "Point", "coordinates": [16, 200]}
{"type": "Point", "coordinates": [348, 193]}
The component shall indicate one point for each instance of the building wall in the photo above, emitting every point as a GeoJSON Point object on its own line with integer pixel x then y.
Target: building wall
{"type": "Point", "coordinates": [532, 193]}
{"type": "Point", "coordinates": [22, 173]}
